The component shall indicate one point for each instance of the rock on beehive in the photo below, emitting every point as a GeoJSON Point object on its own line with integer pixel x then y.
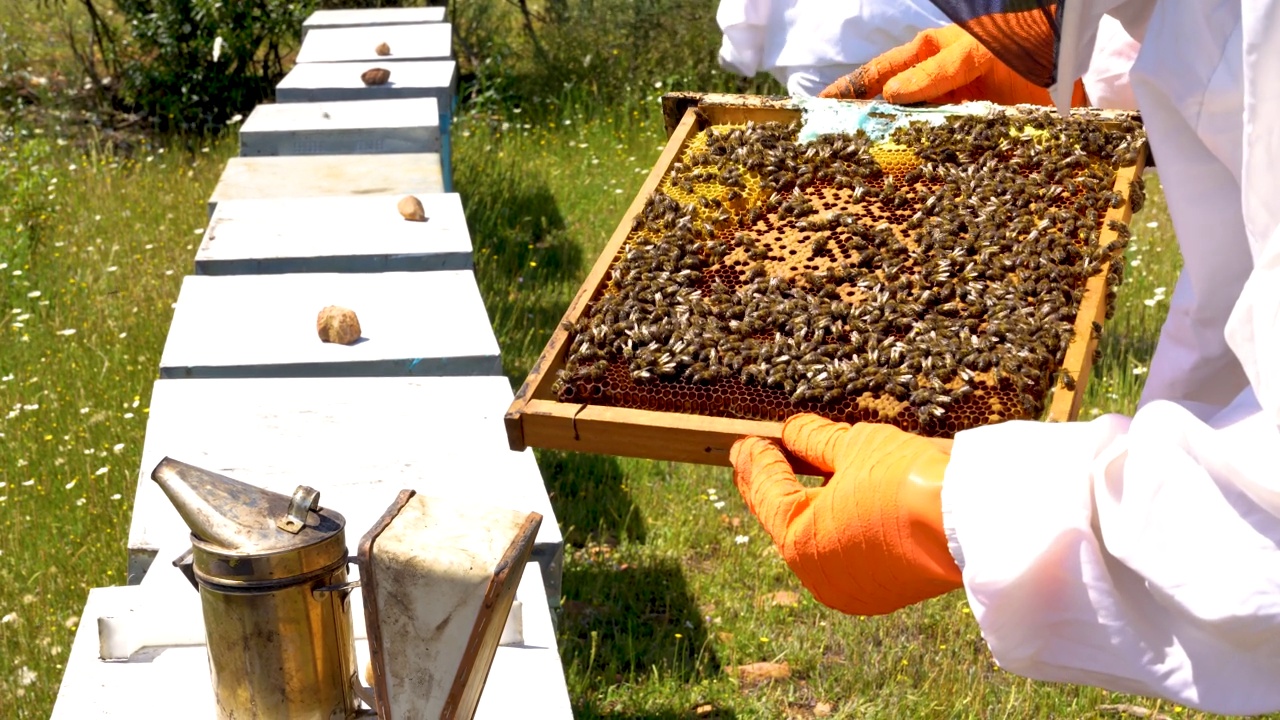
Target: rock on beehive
{"type": "Point", "coordinates": [375, 76]}
{"type": "Point", "coordinates": [931, 281]}
{"type": "Point", "coordinates": [411, 208]}
{"type": "Point", "coordinates": [337, 324]}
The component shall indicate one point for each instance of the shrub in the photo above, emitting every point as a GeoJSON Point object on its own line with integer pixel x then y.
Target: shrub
{"type": "Point", "coordinates": [195, 63]}
{"type": "Point", "coordinates": [604, 52]}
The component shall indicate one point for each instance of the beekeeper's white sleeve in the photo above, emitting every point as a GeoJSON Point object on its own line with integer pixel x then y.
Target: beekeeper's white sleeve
{"type": "Point", "coordinates": [815, 39]}
{"type": "Point", "coordinates": [1143, 554]}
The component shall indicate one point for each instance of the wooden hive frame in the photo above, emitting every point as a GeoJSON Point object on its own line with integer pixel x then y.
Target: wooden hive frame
{"type": "Point", "coordinates": [536, 418]}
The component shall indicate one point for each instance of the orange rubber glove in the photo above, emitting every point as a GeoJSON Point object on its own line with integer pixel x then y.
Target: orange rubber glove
{"type": "Point", "coordinates": [942, 65]}
{"type": "Point", "coordinates": [871, 540]}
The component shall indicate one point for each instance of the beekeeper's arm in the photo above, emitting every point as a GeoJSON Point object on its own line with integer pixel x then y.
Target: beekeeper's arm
{"type": "Point", "coordinates": [950, 65]}
{"type": "Point", "coordinates": [1137, 554]}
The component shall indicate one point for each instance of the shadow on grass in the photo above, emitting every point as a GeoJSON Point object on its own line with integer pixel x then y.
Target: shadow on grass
{"type": "Point", "coordinates": [591, 501]}
{"type": "Point", "coordinates": [526, 263]}
{"type": "Point", "coordinates": [627, 622]}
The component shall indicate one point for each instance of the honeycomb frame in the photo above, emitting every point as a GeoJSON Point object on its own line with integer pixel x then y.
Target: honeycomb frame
{"type": "Point", "coordinates": [537, 418]}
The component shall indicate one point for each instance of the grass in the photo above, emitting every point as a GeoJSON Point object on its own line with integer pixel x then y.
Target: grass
{"type": "Point", "coordinates": [668, 581]}
{"type": "Point", "coordinates": [88, 311]}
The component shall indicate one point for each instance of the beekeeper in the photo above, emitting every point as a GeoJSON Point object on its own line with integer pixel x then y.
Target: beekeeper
{"type": "Point", "coordinates": [809, 44]}
{"type": "Point", "coordinates": [1140, 554]}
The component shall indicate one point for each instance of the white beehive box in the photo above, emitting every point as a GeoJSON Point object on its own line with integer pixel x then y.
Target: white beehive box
{"type": "Point", "coordinates": [253, 178]}
{"type": "Point", "coordinates": [334, 234]}
{"type": "Point", "coordinates": [265, 326]}
{"type": "Point", "coordinates": [424, 41]}
{"type": "Point", "coordinates": [371, 17]}
{"type": "Point", "coordinates": [359, 441]}
{"type": "Point", "coordinates": [354, 127]}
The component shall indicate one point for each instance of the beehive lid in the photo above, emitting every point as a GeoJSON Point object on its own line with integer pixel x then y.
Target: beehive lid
{"type": "Point", "coordinates": [320, 82]}
{"type": "Point", "coordinates": [265, 326]}
{"type": "Point", "coordinates": [365, 17]}
{"type": "Point", "coordinates": [316, 234]}
{"type": "Point", "coordinates": [424, 41]}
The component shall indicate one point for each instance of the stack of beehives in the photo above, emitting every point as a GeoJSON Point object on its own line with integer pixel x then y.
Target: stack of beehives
{"type": "Point", "coordinates": [304, 219]}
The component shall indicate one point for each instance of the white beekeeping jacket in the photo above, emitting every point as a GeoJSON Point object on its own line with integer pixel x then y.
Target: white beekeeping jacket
{"type": "Point", "coordinates": [1143, 554]}
{"type": "Point", "coordinates": [804, 42]}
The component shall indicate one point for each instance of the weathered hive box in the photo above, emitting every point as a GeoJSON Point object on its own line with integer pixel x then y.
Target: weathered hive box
{"type": "Point", "coordinates": [356, 127]}
{"type": "Point", "coordinates": [359, 441]}
{"type": "Point", "coordinates": [254, 178]}
{"type": "Point", "coordinates": [956, 278]}
{"type": "Point", "coordinates": [243, 326]}
{"type": "Point", "coordinates": [425, 41]}
{"type": "Point", "coordinates": [371, 17]}
{"type": "Point", "coordinates": [334, 235]}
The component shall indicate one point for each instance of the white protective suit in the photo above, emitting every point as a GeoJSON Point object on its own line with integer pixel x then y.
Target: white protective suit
{"type": "Point", "coordinates": [809, 44]}
{"type": "Point", "coordinates": [1143, 554]}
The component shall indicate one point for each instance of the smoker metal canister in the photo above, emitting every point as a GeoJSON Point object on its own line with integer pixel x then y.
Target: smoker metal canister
{"type": "Point", "coordinates": [272, 574]}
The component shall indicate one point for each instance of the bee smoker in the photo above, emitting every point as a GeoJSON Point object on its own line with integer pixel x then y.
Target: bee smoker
{"type": "Point", "coordinates": [272, 575]}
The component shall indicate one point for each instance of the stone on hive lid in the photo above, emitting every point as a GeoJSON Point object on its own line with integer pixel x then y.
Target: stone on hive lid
{"type": "Point", "coordinates": [338, 325]}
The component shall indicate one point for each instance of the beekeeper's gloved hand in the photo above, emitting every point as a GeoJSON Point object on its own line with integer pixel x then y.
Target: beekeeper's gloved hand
{"type": "Point", "coordinates": [942, 65]}
{"type": "Point", "coordinates": [871, 540]}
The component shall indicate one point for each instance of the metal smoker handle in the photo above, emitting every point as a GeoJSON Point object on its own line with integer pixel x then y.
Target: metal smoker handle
{"type": "Point", "coordinates": [304, 500]}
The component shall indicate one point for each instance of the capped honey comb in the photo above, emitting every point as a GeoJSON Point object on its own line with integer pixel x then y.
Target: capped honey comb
{"type": "Point", "coordinates": [931, 280]}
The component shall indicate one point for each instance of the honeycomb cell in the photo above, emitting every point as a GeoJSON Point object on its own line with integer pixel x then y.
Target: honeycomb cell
{"type": "Point", "coordinates": [931, 281]}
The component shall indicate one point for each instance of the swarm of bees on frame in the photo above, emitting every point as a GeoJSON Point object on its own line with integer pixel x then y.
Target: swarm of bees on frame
{"type": "Point", "coordinates": [931, 281]}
